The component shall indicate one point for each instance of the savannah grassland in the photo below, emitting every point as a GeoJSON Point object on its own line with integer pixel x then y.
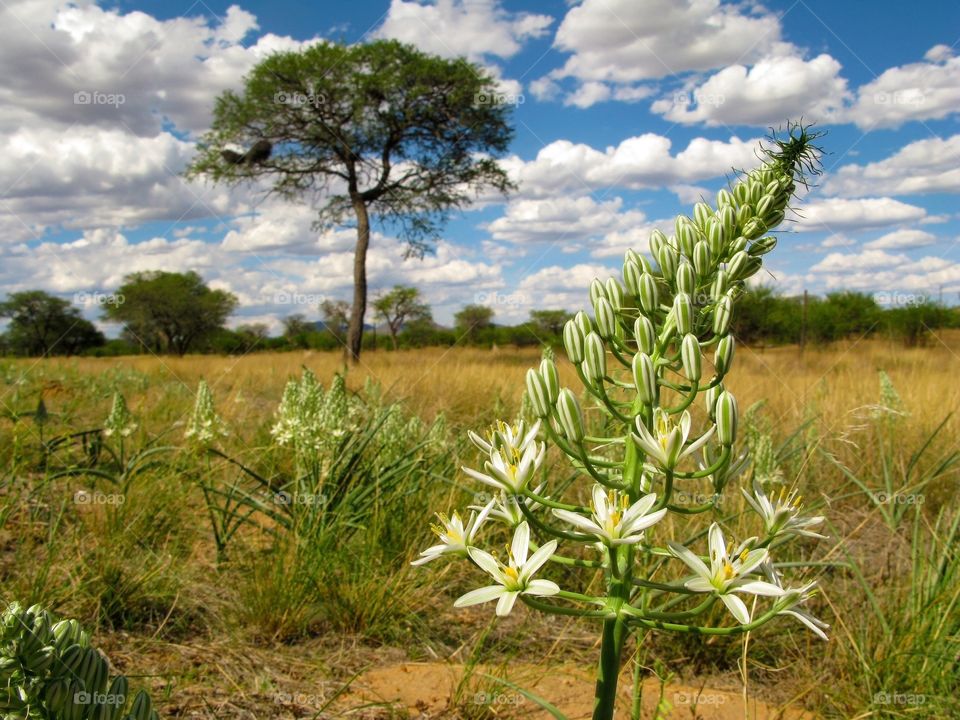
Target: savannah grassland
{"type": "Point", "coordinates": [280, 622]}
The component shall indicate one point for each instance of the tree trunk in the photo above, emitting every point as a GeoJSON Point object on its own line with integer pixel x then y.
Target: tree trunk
{"type": "Point", "coordinates": [359, 309]}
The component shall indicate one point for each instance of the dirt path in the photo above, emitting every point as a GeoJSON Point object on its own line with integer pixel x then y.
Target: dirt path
{"type": "Point", "coordinates": [438, 690]}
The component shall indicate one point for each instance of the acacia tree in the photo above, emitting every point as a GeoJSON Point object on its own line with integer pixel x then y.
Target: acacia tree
{"type": "Point", "coordinates": [473, 318]}
{"type": "Point", "coordinates": [401, 305]}
{"type": "Point", "coordinates": [376, 131]}
{"type": "Point", "coordinates": [42, 324]}
{"type": "Point", "coordinates": [165, 311]}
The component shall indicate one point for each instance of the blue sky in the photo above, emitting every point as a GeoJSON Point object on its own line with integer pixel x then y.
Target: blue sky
{"type": "Point", "coordinates": [626, 112]}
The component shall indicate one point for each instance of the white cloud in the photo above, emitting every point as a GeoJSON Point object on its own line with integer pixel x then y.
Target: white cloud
{"type": "Point", "coordinates": [923, 166]}
{"type": "Point", "coordinates": [772, 89]}
{"type": "Point", "coordinates": [561, 287]}
{"type": "Point", "coordinates": [918, 91]}
{"type": "Point", "coordinates": [589, 93]}
{"type": "Point", "coordinates": [639, 162]}
{"type": "Point", "coordinates": [625, 41]}
{"type": "Point", "coordinates": [847, 214]}
{"type": "Point", "coordinates": [450, 28]}
{"type": "Point", "coordinates": [866, 260]}
{"type": "Point", "coordinates": [837, 240]}
{"type": "Point", "coordinates": [902, 240]}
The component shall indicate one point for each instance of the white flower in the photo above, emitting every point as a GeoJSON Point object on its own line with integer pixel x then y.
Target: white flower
{"type": "Point", "coordinates": [792, 599]}
{"type": "Point", "coordinates": [665, 444]}
{"type": "Point", "coordinates": [120, 421]}
{"type": "Point", "coordinates": [514, 578]}
{"type": "Point", "coordinates": [205, 425]}
{"type": "Point", "coordinates": [781, 516]}
{"type": "Point", "coordinates": [726, 574]}
{"type": "Point", "coordinates": [507, 507]}
{"type": "Point", "coordinates": [615, 521]}
{"type": "Point", "coordinates": [514, 457]}
{"type": "Point", "coordinates": [455, 537]}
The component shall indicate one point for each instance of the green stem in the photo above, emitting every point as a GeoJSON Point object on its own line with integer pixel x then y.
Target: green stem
{"type": "Point", "coordinates": [605, 697]}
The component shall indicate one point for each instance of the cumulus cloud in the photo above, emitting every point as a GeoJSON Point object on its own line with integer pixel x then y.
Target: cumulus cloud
{"type": "Point", "coordinates": [918, 91]}
{"type": "Point", "coordinates": [923, 166]}
{"type": "Point", "coordinates": [475, 28]}
{"type": "Point", "coordinates": [902, 240]}
{"type": "Point", "coordinates": [773, 88]}
{"type": "Point", "coordinates": [639, 162]}
{"type": "Point", "coordinates": [848, 214]}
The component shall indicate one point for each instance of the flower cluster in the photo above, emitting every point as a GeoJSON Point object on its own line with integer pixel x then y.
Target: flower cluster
{"type": "Point", "coordinates": [119, 422]}
{"type": "Point", "coordinates": [205, 426]}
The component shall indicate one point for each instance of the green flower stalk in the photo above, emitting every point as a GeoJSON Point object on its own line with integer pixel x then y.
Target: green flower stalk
{"type": "Point", "coordinates": [205, 426]}
{"type": "Point", "coordinates": [658, 341]}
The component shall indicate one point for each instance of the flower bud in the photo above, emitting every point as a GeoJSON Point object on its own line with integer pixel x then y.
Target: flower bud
{"type": "Point", "coordinates": [701, 213]}
{"type": "Point", "coordinates": [570, 416]}
{"type": "Point", "coordinates": [756, 191]}
{"type": "Point", "coordinates": [751, 268]}
{"type": "Point", "coordinates": [737, 245]}
{"type": "Point", "coordinates": [726, 412]}
{"type": "Point", "coordinates": [741, 193]}
{"type": "Point", "coordinates": [573, 341]}
{"type": "Point", "coordinates": [686, 238]}
{"type": "Point", "coordinates": [736, 265]}
{"type": "Point", "coordinates": [686, 278]}
{"type": "Point", "coordinates": [681, 222]}
{"type": "Point", "coordinates": [763, 246]}
{"type": "Point", "coordinates": [668, 259]}
{"type": "Point", "coordinates": [597, 290]}
{"type": "Point", "coordinates": [724, 198]}
{"type": "Point", "coordinates": [614, 293]}
{"type": "Point", "coordinates": [774, 219]}
{"type": "Point", "coordinates": [644, 334]}
{"type": "Point", "coordinates": [691, 357]}
{"type": "Point", "coordinates": [584, 322]}
{"type": "Point", "coordinates": [537, 392]}
{"type": "Point", "coordinates": [772, 188]}
{"type": "Point", "coordinates": [723, 356]}
{"type": "Point", "coordinates": [645, 378]}
{"type": "Point", "coordinates": [640, 260]}
{"type": "Point", "coordinates": [594, 363]}
{"type": "Point", "coordinates": [766, 205]}
{"type": "Point", "coordinates": [754, 228]}
{"type": "Point", "coordinates": [728, 220]}
{"type": "Point", "coordinates": [551, 379]}
{"type": "Point", "coordinates": [683, 312]}
{"type": "Point", "coordinates": [722, 314]}
{"type": "Point", "coordinates": [631, 277]}
{"type": "Point", "coordinates": [720, 284]}
{"type": "Point", "coordinates": [657, 240]}
{"type": "Point", "coordinates": [710, 400]}
{"type": "Point", "coordinates": [649, 294]}
{"type": "Point", "coordinates": [744, 215]}
{"type": "Point", "coordinates": [606, 318]}
{"type": "Point", "coordinates": [702, 260]}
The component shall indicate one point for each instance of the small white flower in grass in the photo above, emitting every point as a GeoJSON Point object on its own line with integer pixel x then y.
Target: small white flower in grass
{"type": "Point", "coordinates": [666, 443]}
{"type": "Point", "coordinates": [507, 509]}
{"type": "Point", "coordinates": [120, 421]}
{"type": "Point", "coordinates": [455, 537]}
{"type": "Point", "coordinates": [793, 597]}
{"type": "Point", "coordinates": [781, 515]}
{"type": "Point", "coordinates": [615, 521]}
{"type": "Point", "coordinates": [728, 573]}
{"type": "Point", "coordinates": [205, 426]}
{"type": "Point", "coordinates": [514, 457]}
{"type": "Point", "coordinates": [513, 578]}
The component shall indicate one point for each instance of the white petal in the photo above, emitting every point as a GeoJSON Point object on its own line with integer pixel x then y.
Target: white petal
{"type": "Point", "coordinates": [537, 560]}
{"type": "Point", "coordinates": [521, 544]}
{"type": "Point", "coordinates": [642, 523]}
{"type": "Point", "coordinates": [818, 626]}
{"type": "Point", "coordinates": [579, 521]}
{"type": "Point", "coordinates": [485, 479]}
{"type": "Point", "coordinates": [757, 587]}
{"type": "Point", "coordinates": [718, 547]}
{"type": "Point", "coordinates": [505, 603]}
{"type": "Point", "coordinates": [600, 505]}
{"type": "Point", "coordinates": [736, 606]}
{"type": "Point", "coordinates": [542, 587]}
{"type": "Point", "coordinates": [698, 443]}
{"type": "Point", "coordinates": [752, 560]}
{"type": "Point", "coordinates": [487, 563]}
{"type": "Point", "coordinates": [648, 445]}
{"type": "Point", "coordinates": [691, 560]}
{"type": "Point", "coordinates": [484, 594]}
{"type": "Point", "coordinates": [699, 584]}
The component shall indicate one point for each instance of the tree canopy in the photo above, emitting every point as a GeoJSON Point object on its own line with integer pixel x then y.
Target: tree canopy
{"type": "Point", "coordinates": [43, 324]}
{"type": "Point", "coordinates": [399, 306]}
{"type": "Point", "coordinates": [170, 312]}
{"type": "Point", "coordinates": [374, 130]}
